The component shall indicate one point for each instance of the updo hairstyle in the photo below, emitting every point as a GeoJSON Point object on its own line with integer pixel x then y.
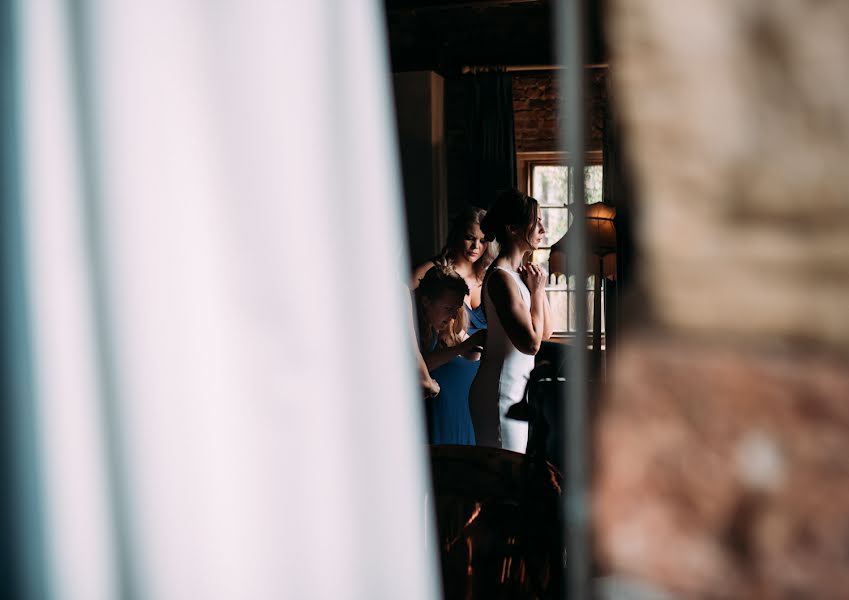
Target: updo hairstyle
{"type": "Point", "coordinates": [511, 208]}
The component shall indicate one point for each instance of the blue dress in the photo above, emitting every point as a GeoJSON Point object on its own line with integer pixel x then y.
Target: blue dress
{"type": "Point", "coordinates": [477, 318]}
{"type": "Point", "coordinates": [448, 417]}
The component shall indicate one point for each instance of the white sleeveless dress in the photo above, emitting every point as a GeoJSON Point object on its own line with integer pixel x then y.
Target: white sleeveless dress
{"type": "Point", "coordinates": [501, 381]}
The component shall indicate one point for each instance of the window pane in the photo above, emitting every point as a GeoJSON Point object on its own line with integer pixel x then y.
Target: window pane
{"type": "Point", "coordinates": [571, 307]}
{"type": "Point", "coordinates": [563, 310]}
{"type": "Point", "coordinates": [541, 258]}
{"type": "Point", "coordinates": [560, 282]}
{"type": "Point", "coordinates": [550, 184]}
{"type": "Point", "coordinates": [604, 306]}
{"type": "Point", "coordinates": [558, 299]}
{"type": "Point", "coordinates": [590, 282]}
{"type": "Point", "coordinates": [592, 183]}
{"type": "Point", "coordinates": [556, 222]}
{"type": "Point", "coordinates": [590, 310]}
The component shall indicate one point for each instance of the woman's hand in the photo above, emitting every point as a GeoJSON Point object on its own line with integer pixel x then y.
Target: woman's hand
{"type": "Point", "coordinates": [430, 387]}
{"type": "Point", "coordinates": [533, 276]}
{"type": "Point", "coordinates": [473, 345]}
{"type": "Point", "coordinates": [475, 342]}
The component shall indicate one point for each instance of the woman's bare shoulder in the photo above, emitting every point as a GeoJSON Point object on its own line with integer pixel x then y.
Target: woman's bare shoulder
{"type": "Point", "coordinates": [500, 284]}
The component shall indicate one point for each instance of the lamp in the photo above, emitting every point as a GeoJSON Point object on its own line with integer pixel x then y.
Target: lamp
{"type": "Point", "coordinates": [601, 257]}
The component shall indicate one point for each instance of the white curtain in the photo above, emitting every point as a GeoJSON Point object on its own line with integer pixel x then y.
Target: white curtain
{"type": "Point", "coordinates": [224, 393]}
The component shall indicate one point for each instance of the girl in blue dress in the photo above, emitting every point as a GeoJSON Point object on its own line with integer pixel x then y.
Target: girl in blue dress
{"type": "Point", "coordinates": [469, 254]}
{"type": "Point", "coordinates": [450, 354]}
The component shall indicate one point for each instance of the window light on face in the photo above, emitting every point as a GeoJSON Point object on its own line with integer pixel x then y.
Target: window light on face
{"type": "Point", "coordinates": [538, 234]}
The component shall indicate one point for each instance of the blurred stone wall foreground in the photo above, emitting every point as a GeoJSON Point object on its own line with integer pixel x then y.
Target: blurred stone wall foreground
{"type": "Point", "coordinates": [722, 448]}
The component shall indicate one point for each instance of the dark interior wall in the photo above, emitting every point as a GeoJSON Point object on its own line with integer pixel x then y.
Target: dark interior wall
{"type": "Point", "coordinates": [445, 36]}
{"type": "Point", "coordinates": [455, 145]}
{"type": "Point", "coordinates": [536, 119]}
{"type": "Point", "coordinates": [419, 114]}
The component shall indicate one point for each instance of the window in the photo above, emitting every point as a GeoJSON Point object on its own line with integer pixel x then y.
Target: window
{"type": "Point", "coordinates": [546, 177]}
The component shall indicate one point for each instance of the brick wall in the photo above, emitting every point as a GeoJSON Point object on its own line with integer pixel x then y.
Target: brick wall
{"type": "Point", "coordinates": [535, 110]}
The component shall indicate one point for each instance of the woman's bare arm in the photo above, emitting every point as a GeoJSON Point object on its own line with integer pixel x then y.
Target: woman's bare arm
{"type": "Point", "coordinates": [440, 356]}
{"type": "Point", "coordinates": [524, 327]}
{"type": "Point", "coordinates": [428, 385]}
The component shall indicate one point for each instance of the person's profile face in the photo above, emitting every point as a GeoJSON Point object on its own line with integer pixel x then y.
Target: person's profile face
{"type": "Point", "coordinates": [473, 243]}
{"type": "Point", "coordinates": [441, 310]}
{"type": "Point", "coordinates": [532, 236]}
{"type": "Point", "coordinates": [536, 234]}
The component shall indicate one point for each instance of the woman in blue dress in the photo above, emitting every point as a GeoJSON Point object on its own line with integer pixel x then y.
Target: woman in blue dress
{"type": "Point", "coordinates": [450, 354]}
{"type": "Point", "coordinates": [469, 254]}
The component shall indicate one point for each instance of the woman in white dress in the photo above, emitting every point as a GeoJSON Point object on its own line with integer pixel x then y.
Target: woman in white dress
{"type": "Point", "coordinates": [519, 319]}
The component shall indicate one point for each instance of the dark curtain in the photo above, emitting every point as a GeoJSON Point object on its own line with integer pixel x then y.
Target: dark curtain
{"type": "Point", "coordinates": [491, 157]}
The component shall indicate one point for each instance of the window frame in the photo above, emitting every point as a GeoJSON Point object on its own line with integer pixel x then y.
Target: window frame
{"type": "Point", "coordinates": [525, 163]}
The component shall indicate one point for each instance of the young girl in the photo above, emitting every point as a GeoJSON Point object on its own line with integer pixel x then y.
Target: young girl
{"type": "Point", "coordinates": [519, 319]}
{"type": "Point", "coordinates": [451, 357]}
{"type": "Point", "coordinates": [469, 254]}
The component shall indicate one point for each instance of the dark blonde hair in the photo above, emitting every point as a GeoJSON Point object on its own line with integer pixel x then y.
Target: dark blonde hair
{"type": "Point", "coordinates": [437, 281]}
{"type": "Point", "coordinates": [470, 215]}
{"type": "Point", "coordinates": [510, 209]}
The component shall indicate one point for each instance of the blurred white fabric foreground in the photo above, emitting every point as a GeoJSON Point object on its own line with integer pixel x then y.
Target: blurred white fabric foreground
{"type": "Point", "coordinates": [225, 399]}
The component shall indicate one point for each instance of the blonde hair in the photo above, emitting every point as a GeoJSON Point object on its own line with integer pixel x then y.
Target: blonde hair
{"type": "Point", "coordinates": [438, 280]}
{"type": "Point", "coordinates": [470, 215]}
